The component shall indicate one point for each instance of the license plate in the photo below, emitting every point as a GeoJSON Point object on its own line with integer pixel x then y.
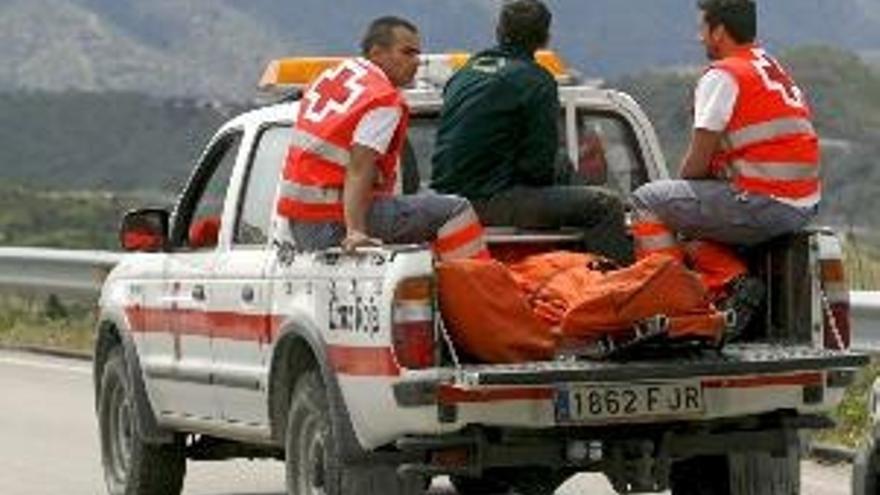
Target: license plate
{"type": "Point", "coordinates": [591, 403]}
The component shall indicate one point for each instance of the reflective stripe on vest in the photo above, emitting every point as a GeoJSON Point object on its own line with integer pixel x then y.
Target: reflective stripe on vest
{"type": "Point", "coordinates": [320, 147]}
{"type": "Point", "coordinates": [311, 194]}
{"type": "Point", "coordinates": [758, 133]}
{"type": "Point", "coordinates": [310, 203]}
{"type": "Point", "coordinates": [786, 171]}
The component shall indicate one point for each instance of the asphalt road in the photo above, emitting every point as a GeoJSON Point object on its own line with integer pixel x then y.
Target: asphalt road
{"type": "Point", "coordinates": [48, 443]}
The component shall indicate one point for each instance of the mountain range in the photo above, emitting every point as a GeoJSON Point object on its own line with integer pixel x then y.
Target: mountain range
{"type": "Point", "coordinates": [217, 48]}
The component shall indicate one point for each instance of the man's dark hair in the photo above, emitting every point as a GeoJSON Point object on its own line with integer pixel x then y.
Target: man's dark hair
{"type": "Point", "coordinates": [739, 17]}
{"type": "Point", "coordinates": [381, 32]}
{"type": "Point", "coordinates": [524, 23]}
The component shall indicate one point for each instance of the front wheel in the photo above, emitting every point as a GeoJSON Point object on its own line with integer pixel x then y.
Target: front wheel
{"type": "Point", "coordinates": [132, 466]}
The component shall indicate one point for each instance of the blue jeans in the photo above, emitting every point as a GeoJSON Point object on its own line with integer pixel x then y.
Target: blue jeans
{"type": "Point", "coordinates": [713, 210]}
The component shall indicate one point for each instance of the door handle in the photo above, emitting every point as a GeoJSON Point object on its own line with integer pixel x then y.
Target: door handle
{"type": "Point", "coordinates": [198, 292]}
{"type": "Point", "coordinates": [247, 294]}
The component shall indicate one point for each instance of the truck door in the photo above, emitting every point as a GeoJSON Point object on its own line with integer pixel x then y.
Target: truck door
{"type": "Point", "coordinates": [244, 327]}
{"type": "Point", "coordinates": [189, 295]}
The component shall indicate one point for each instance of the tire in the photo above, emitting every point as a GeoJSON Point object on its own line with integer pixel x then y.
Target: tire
{"type": "Point", "coordinates": [866, 471]}
{"type": "Point", "coordinates": [132, 466]}
{"type": "Point", "coordinates": [312, 461]}
{"type": "Point", "coordinates": [466, 485]}
{"type": "Point", "coordinates": [751, 473]}
{"type": "Point", "coordinates": [523, 481]}
{"type": "Point", "coordinates": [536, 481]}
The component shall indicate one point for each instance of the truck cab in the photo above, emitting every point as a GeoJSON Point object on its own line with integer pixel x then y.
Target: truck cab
{"type": "Point", "coordinates": [218, 338]}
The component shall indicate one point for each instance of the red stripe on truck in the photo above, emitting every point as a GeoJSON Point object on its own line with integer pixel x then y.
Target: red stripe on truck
{"type": "Point", "coordinates": [807, 378]}
{"type": "Point", "coordinates": [363, 361]}
{"type": "Point", "coordinates": [450, 394]}
{"type": "Point", "coordinates": [217, 324]}
{"type": "Point", "coordinates": [346, 360]}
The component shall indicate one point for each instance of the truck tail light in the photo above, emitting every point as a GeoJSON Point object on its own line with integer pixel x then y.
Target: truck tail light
{"type": "Point", "coordinates": [837, 333]}
{"type": "Point", "coordinates": [412, 325]}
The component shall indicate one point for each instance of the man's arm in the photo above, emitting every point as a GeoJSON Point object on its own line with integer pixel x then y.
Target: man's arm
{"type": "Point", "coordinates": [714, 100]}
{"type": "Point", "coordinates": [541, 143]}
{"type": "Point", "coordinates": [371, 139]}
{"type": "Point", "coordinates": [697, 160]}
{"type": "Point", "coordinates": [357, 196]}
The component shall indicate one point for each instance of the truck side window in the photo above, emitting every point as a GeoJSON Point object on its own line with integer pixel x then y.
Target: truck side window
{"type": "Point", "coordinates": [608, 153]}
{"type": "Point", "coordinates": [197, 220]}
{"type": "Point", "coordinates": [257, 201]}
{"type": "Point", "coordinates": [420, 139]}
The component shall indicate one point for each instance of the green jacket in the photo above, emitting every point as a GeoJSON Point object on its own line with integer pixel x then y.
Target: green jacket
{"type": "Point", "coordinates": [498, 127]}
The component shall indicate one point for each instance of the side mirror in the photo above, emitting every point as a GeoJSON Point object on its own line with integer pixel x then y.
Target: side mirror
{"type": "Point", "coordinates": [144, 230]}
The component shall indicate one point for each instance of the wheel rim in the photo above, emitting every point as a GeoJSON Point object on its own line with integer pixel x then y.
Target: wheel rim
{"type": "Point", "coordinates": [312, 458]}
{"type": "Point", "coordinates": [120, 433]}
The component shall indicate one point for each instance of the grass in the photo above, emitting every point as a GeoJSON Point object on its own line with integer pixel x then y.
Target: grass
{"type": "Point", "coordinates": [47, 322]}
{"type": "Point", "coordinates": [853, 421]}
{"type": "Point", "coordinates": [862, 262]}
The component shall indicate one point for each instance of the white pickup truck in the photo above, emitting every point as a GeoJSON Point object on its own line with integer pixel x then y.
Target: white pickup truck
{"type": "Point", "coordinates": [219, 339]}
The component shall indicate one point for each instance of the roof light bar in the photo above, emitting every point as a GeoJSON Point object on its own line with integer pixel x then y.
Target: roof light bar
{"type": "Point", "coordinates": [435, 69]}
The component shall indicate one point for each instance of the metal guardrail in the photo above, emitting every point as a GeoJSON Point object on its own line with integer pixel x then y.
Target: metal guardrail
{"type": "Point", "coordinates": [865, 314]}
{"type": "Point", "coordinates": [82, 273]}
{"type": "Point", "coordinates": [55, 270]}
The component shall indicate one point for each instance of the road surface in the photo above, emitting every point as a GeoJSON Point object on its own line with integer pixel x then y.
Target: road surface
{"type": "Point", "coordinates": [49, 443]}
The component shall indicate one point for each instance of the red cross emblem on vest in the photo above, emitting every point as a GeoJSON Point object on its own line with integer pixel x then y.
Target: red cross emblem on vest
{"type": "Point", "coordinates": [335, 91]}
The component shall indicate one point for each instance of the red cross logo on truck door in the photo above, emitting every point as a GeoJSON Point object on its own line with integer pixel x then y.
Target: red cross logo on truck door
{"type": "Point", "coordinates": [335, 91]}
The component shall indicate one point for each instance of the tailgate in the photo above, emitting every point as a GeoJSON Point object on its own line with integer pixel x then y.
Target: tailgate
{"type": "Point", "coordinates": [734, 360]}
{"type": "Point", "coordinates": [739, 373]}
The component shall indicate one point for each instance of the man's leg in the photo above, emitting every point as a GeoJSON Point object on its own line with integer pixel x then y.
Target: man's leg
{"type": "Point", "coordinates": [713, 210]}
{"type": "Point", "coordinates": [596, 210]}
{"type": "Point", "coordinates": [447, 222]}
{"type": "Point", "coordinates": [315, 236]}
{"type": "Point", "coordinates": [697, 208]}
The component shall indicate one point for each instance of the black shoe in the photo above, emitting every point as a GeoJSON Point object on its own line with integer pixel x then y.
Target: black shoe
{"type": "Point", "coordinates": [745, 299]}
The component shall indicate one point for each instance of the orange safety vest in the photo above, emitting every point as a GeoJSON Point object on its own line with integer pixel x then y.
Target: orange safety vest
{"type": "Point", "coordinates": [320, 150]}
{"type": "Point", "coordinates": [769, 147]}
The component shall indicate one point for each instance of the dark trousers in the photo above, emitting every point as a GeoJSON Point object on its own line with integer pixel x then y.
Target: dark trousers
{"type": "Point", "coordinates": [598, 211]}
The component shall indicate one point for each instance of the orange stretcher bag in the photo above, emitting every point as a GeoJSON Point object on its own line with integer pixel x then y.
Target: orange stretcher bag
{"type": "Point", "coordinates": [588, 299]}
{"type": "Point", "coordinates": [523, 312]}
{"type": "Point", "coordinates": [487, 316]}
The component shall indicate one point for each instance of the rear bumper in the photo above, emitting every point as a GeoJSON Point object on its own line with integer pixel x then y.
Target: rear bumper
{"type": "Point", "coordinates": [741, 382]}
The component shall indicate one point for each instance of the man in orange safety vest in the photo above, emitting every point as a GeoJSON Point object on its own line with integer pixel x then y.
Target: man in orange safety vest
{"type": "Point", "coordinates": [751, 172]}
{"type": "Point", "coordinates": [341, 170]}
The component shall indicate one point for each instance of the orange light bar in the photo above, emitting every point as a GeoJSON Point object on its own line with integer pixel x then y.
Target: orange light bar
{"type": "Point", "coordinates": [299, 71]}
{"type": "Point", "coordinates": [435, 68]}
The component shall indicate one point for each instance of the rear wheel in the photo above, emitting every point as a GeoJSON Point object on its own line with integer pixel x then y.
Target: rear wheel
{"type": "Point", "coordinates": [750, 473]}
{"type": "Point", "coordinates": [466, 485]}
{"type": "Point", "coordinates": [523, 481]}
{"type": "Point", "coordinates": [866, 471]}
{"type": "Point", "coordinates": [313, 463]}
{"type": "Point", "coordinates": [132, 466]}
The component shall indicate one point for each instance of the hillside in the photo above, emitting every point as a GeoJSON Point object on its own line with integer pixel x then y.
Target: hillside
{"type": "Point", "coordinates": [216, 49]}
{"type": "Point", "coordinates": [106, 141]}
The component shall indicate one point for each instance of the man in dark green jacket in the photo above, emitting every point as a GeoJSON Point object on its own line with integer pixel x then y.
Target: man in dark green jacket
{"type": "Point", "coordinates": [498, 140]}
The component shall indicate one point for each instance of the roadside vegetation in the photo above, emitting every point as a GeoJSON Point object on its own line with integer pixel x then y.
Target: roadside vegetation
{"type": "Point", "coordinates": [853, 422]}
{"type": "Point", "coordinates": [47, 322]}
